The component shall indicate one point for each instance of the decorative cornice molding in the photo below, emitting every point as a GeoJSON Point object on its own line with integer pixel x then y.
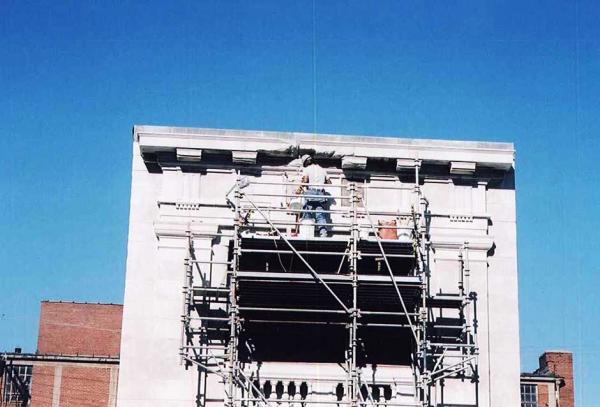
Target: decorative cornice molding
{"type": "Point", "coordinates": [462, 167]}
{"type": "Point", "coordinates": [184, 230]}
{"type": "Point", "coordinates": [350, 162]}
{"type": "Point", "coordinates": [403, 164]}
{"type": "Point", "coordinates": [189, 154]}
{"type": "Point", "coordinates": [244, 157]}
{"type": "Point", "coordinates": [459, 242]}
{"type": "Point", "coordinates": [288, 144]}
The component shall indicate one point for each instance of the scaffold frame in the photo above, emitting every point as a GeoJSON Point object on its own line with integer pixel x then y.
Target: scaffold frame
{"type": "Point", "coordinates": [434, 359]}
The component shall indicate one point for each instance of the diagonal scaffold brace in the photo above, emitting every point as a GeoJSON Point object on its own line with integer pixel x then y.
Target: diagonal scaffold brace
{"type": "Point", "coordinates": [389, 269]}
{"type": "Point", "coordinates": [310, 268]}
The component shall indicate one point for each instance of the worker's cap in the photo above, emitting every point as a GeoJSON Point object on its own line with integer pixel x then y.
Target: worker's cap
{"type": "Point", "coordinates": [305, 158]}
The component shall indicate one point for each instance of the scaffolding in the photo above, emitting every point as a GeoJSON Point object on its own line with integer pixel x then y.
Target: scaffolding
{"type": "Point", "coordinates": [371, 295]}
{"type": "Point", "coordinates": [13, 388]}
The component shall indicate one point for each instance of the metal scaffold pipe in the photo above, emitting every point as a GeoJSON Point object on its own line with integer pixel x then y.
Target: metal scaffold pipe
{"type": "Point", "coordinates": [431, 361]}
{"type": "Point", "coordinates": [391, 274]}
{"type": "Point", "coordinates": [310, 268]}
{"type": "Point", "coordinates": [353, 334]}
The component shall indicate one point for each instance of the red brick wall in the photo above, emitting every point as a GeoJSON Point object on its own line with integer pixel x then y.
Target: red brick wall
{"type": "Point", "coordinates": [561, 363]}
{"type": "Point", "coordinates": [42, 385]}
{"type": "Point", "coordinates": [542, 392]}
{"type": "Point", "coordinates": [80, 329]}
{"type": "Point", "coordinates": [84, 386]}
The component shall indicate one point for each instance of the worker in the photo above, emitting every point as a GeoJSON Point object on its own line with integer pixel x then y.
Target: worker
{"type": "Point", "coordinates": [315, 196]}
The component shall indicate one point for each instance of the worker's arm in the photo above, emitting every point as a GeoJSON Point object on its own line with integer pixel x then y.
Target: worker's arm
{"type": "Point", "coordinates": [303, 182]}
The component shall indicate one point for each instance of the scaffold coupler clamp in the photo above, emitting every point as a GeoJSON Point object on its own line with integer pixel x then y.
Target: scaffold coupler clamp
{"type": "Point", "coordinates": [426, 378]}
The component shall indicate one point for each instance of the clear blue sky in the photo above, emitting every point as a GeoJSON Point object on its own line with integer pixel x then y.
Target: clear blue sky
{"type": "Point", "coordinates": [75, 77]}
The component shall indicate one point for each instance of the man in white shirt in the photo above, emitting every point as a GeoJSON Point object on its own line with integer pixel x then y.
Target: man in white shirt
{"type": "Point", "coordinates": [314, 177]}
{"type": "Point", "coordinates": [313, 174]}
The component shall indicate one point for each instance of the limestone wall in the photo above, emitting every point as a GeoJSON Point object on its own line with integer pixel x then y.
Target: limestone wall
{"type": "Point", "coordinates": [167, 200]}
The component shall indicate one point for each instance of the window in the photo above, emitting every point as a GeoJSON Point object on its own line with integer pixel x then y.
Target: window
{"type": "Point", "coordinates": [529, 395]}
{"type": "Point", "coordinates": [10, 393]}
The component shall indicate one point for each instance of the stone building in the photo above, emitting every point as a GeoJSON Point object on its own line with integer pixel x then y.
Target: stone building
{"type": "Point", "coordinates": [424, 316]}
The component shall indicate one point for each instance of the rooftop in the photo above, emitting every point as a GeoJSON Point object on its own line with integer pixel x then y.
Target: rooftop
{"type": "Point", "coordinates": [80, 302]}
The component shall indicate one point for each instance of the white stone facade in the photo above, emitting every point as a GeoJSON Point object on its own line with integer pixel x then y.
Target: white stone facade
{"type": "Point", "coordinates": [471, 195]}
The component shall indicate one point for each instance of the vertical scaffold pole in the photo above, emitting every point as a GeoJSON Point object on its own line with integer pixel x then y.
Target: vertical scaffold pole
{"type": "Point", "coordinates": [354, 237]}
{"type": "Point", "coordinates": [467, 270]}
{"type": "Point", "coordinates": [232, 364]}
{"type": "Point", "coordinates": [469, 319]}
{"type": "Point", "coordinates": [464, 292]}
{"type": "Point", "coordinates": [421, 247]}
{"type": "Point", "coordinates": [461, 276]}
{"type": "Point", "coordinates": [187, 300]}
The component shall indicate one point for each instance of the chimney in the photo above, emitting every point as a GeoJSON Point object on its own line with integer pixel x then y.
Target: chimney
{"type": "Point", "coordinates": [561, 364]}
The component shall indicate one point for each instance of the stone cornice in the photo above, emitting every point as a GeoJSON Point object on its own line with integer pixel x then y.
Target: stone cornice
{"type": "Point", "coordinates": [180, 230]}
{"type": "Point", "coordinates": [485, 154]}
{"type": "Point", "coordinates": [476, 243]}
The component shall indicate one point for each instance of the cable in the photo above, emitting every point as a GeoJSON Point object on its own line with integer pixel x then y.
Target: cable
{"type": "Point", "coordinates": [279, 256]}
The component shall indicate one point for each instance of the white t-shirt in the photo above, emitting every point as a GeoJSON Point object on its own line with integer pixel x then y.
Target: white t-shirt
{"type": "Point", "coordinates": [316, 175]}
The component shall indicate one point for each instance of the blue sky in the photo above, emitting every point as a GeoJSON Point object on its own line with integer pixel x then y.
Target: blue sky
{"type": "Point", "coordinates": [75, 77]}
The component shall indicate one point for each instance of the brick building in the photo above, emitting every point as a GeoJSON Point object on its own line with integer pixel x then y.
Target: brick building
{"type": "Point", "coordinates": [551, 385]}
{"type": "Point", "coordinates": [77, 358]}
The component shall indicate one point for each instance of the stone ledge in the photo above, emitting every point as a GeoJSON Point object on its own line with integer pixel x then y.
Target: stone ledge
{"type": "Point", "coordinates": [290, 144]}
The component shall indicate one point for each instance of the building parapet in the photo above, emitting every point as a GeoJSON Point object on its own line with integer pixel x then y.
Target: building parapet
{"type": "Point", "coordinates": [188, 145]}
